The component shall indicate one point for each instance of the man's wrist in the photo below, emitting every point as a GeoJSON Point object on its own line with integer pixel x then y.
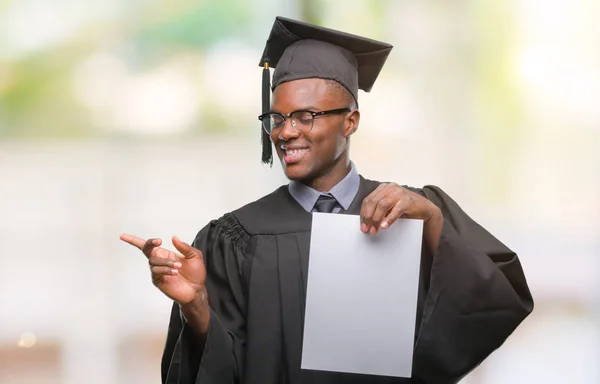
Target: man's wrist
{"type": "Point", "coordinates": [433, 228]}
{"type": "Point", "coordinates": [198, 303]}
{"type": "Point", "coordinates": [197, 312]}
{"type": "Point", "coordinates": [435, 214]}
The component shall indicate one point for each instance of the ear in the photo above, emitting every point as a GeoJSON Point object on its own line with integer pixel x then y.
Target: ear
{"type": "Point", "coordinates": [352, 121]}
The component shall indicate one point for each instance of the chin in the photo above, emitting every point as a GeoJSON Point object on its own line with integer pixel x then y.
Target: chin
{"type": "Point", "coordinates": [294, 174]}
{"type": "Point", "coordinates": [297, 172]}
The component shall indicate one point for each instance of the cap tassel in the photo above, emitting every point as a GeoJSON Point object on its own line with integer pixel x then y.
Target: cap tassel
{"type": "Point", "coordinates": [267, 150]}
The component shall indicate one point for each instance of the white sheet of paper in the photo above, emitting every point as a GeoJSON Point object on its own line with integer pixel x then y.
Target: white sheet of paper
{"type": "Point", "coordinates": [361, 297]}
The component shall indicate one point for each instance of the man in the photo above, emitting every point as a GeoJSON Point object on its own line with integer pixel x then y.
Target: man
{"type": "Point", "coordinates": [239, 289]}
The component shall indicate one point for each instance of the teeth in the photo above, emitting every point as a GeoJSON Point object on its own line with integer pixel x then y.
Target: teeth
{"type": "Point", "coordinates": [293, 152]}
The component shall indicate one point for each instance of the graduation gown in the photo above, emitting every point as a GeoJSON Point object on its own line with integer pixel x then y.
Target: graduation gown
{"type": "Point", "coordinates": [472, 295]}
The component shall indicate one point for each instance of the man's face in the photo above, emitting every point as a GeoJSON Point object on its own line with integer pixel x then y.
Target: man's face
{"type": "Point", "coordinates": [307, 156]}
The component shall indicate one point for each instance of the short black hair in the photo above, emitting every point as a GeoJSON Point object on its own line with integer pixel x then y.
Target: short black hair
{"type": "Point", "coordinates": [344, 93]}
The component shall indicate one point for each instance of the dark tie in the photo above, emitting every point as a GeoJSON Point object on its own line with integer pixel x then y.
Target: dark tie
{"type": "Point", "coordinates": [325, 203]}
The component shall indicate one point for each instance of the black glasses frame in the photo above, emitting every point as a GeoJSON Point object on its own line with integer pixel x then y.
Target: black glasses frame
{"type": "Point", "coordinates": [312, 113]}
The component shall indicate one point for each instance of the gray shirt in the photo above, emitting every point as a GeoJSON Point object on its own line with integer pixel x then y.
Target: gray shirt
{"type": "Point", "coordinates": [344, 192]}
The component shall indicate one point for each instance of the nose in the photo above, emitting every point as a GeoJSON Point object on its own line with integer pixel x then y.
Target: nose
{"type": "Point", "coordinates": [288, 132]}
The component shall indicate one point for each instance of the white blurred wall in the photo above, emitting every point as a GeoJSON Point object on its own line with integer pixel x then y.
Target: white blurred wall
{"type": "Point", "coordinates": [67, 278]}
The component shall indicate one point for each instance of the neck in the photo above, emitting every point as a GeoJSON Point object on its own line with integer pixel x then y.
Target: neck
{"type": "Point", "coordinates": [332, 177]}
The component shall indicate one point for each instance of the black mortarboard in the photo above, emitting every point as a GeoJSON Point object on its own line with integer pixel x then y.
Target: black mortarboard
{"type": "Point", "coordinates": [299, 50]}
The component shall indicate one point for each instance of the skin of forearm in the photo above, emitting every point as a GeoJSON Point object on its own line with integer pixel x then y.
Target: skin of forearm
{"type": "Point", "coordinates": [433, 230]}
{"type": "Point", "coordinates": [197, 314]}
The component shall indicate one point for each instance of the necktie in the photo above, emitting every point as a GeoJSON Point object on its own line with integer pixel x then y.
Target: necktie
{"type": "Point", "coordinates": [325, 203]}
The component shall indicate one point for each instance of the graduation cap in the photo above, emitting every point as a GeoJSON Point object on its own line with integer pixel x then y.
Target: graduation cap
{"type": "Point", "coordinates": [299, 50]}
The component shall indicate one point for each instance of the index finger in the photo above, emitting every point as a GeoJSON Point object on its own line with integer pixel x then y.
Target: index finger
{"type": "Point", "coordinates": [133, 240]}
{"type": "Point", "coordinates": [370, 203]}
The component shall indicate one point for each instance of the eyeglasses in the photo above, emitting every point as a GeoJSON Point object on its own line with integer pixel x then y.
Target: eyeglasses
{"type": "Point", "coordinates": [302, 121]}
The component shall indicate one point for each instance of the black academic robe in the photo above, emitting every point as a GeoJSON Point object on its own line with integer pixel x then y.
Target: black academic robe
{"type": "Point", "coordinates": [472, 295]}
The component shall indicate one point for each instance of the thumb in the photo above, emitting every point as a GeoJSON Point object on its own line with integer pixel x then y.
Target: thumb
{"type": "Point", "coordinates": [186, 250]}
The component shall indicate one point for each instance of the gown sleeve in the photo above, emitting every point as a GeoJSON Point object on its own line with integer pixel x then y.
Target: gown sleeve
{"type": "Point", "coordinates": [219, 360]}
{"type": "Point", "coordinates": [475, 296]}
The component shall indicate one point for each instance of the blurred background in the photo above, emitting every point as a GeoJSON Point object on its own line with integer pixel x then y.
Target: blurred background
{"type": "Point", "coordinates": [140, 116]}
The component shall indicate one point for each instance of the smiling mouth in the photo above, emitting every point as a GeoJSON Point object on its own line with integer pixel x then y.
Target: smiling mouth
{"type": "Point", "coordinates": [295, 152]}
{"type": "Point", "coordinates": [293, 155]}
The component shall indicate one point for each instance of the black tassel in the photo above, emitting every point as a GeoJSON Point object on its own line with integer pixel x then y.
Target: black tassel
{"type": "Point", "coordinates": [267, 150]}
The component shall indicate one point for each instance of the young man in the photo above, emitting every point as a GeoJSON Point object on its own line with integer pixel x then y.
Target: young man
{"type": "Point", "coordinates": [239, 289]}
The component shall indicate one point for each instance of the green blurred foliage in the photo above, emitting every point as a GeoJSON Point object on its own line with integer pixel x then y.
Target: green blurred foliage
{"type": "Point", "coordinates": [36, 98]}
{"type": "Point", "coordinates": [37, 101]}
{"type": "Point", "coordinates": [196, 25]}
